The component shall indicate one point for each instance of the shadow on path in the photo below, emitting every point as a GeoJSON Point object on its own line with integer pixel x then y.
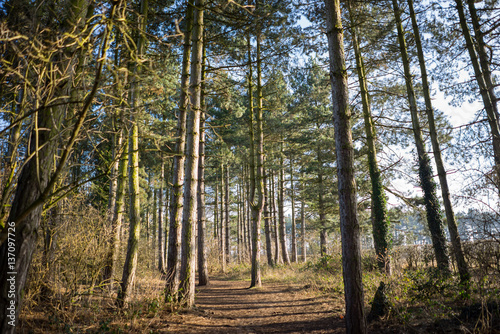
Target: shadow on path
{"type": "Point", "coordinates": [230, 307]}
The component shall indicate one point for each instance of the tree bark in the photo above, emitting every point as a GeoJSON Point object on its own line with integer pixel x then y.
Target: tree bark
{"type": "Point", "coordinates": [281, 203]}
{"type": "Point", "coordinates": [202, 248]}
{"type": "Point", "coordinates": [303, 231]}
{"type": "Point", "coordinates": [189, 215]}
{"type": "Point", "coordinates": [349, 224]}
{"type": "Point", "coordinates": [223, 230]}
{"type": "Point", "coordinates": [176, 201]}
{"type": "Point", "coordinates": [227, 247]}
{"type": "Point", "coordinates": [161, 243]}
{"type": "Point", "coordinates": [267, 224]}
{"type": "Point", "coordinates": [258, 206]}
{"type": "Point", "coordinates": [130, 266]}
{"type": "Point", "coordinates": [294, 228]}
{"type": "Point", "coordinates": [116, 222]}
{"type": "Point", "coordinates": [277, 253]}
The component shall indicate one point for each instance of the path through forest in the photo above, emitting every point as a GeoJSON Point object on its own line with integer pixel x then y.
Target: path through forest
{"type": "Point", "coordinates": [230, 307]}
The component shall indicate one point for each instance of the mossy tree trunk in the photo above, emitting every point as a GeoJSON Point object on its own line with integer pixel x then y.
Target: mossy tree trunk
{"type": "Point", "coordinates": [40, 173]}
{"type": "Point", "coordinates": [130, 266]}
{"type": "Point", "coordinates": [433, 211]}
{"type": "Point", "coordinates": [380, 220]}
{"type": "Point", "coordinates": [445, 192]}
{"type": "Point", "coordinates": [481, 64]}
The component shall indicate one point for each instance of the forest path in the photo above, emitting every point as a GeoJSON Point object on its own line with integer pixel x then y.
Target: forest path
{"type": "Point", "coordinates": [230, 307]}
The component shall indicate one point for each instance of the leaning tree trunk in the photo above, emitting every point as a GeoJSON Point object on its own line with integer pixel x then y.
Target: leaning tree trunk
{"type": "Point", "coordinates": [434, 220]}
{"type": "Point", "coordinates": [380, 220]}
{"type": "Point", "coordinates": [483, 77]}
{"type": "Point", "coordinates": [189, 214]}
{"type": "Point", "coordinates": [445, 192]}
{"type": "Point", "coordinates": [349, 224]}
{"type": "Point", "coordinates": [174, 233]}
{"type": "Point", "coordinates": [37, 179]}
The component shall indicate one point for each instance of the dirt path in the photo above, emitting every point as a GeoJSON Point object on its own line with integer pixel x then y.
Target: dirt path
{"type": "Point", "coordinates": [230, 307]}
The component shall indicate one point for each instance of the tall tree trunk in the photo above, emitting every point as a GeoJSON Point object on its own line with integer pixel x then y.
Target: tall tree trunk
{"type": "Point", "coordinates": [227, 247]}
{"type": "Point", "coordinates": [267, 224]}
{"type": "Point", "coordinates": [303, 230]}
{"type": "Point", "coordinates": [223, 235]}
{"type": "Point", "coordinates": [130, 265]}
{"type": "Point", "coordinates": [349, 224]}
{"type": "Point", "coordinates": [154, 226]}
{"type": "Point", "coordinates": [281, 203]}
{"type": "Point", "coordinates": [189, 215]}
{"type": "Point", "coordinates": [380, 220]}
{"type": "Point", "coordinates": [238, 222]}
{"type": "Point", "coordinates": [425, 171]}
{"type": "Point", "coordinates": [258, 183]}
{"type": "Point", "coordinates": [202, 248]}
{"type": "Point", "coordinates": [294, 228]}
{"type": "Point", "coordinates": [216, 210]}
{"type": "Point", "coordinates": [482, 74]}
{"type": "Point", "coordinates": [161, 243]}
{"type": "Point", "coordinates": [277, 253]}
{"type": "Point", "coordinates": [445, 192]}
{"type": "Point", "coordinates": [174, 233]}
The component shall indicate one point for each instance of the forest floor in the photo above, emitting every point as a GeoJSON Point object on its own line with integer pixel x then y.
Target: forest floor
{"type": "Point", "coordinates": [224, 306]}
{"type": "Point", "coordinates": [231, 307]}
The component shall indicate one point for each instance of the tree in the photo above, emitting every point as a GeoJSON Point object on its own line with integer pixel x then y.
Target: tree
{"type": "Point", "coordinates": [202, 249]}
{"type": "Point", "coordinates": [434, 220]}
{"type": "Point", "coordinates": [349, 225]}
{"type": "Point", "coordinates": [39, 174]}
{"type": "Point", "coordinates": [130, 265]}
{"type": "Point", "coordinates": [380, 221]}
{"type": "Point", "coordinates": [481, 65]}
{"type": "Point", "coordinates": [174, 233]}
{"type": "Point", "coordinates": [189, 214]}
{"type": "Point", "coordinates": [445, 192]}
